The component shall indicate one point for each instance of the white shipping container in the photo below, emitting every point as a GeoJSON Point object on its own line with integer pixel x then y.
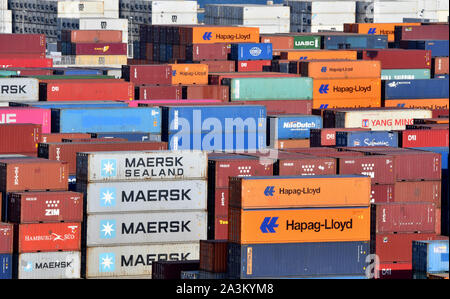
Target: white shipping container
{"type": "Point", "coordinates": [79, 9]}
{"type": "Point", "coordinates": [135, 260]}
{"type": "Point", "coordinates": [106, 24]}
{"type": "Point", "coordinates": [318, 6]}
{"type": "Point", "coordinates": [141, 165]}
{"type": "Point", "coordinates": [380, 120]}
{"type": "Point", "coordinates": [173, 6]}
{"type": "Point", "coordinates": [19, 89]}
{"type": "Point", "coordinates": [168, 18]}
{"type": "Point", "coordinates": [144, 228]}
{"type": "Point", "coordinates": [5, 16]}
{"type": "Point", "coordinates": [145, 196]}
{"type": "Point", "coordinates": [49, 265]}
{"type": "Point", "coordinates": [325, 19]}
{"type": "Point", "coordinates": [335, 27]}
{"type": "Point", "coordinates": [384, 18]}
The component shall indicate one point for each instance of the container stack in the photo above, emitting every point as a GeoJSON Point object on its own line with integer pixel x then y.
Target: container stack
{"type": "Point", "coordinates": [23, 51]}
{"type": "Point", "coordinates": [142, 206]}
{"type": "Point", "coordinates": [384, 11]}
{"type": "Point", "coordinates": [430, 259]}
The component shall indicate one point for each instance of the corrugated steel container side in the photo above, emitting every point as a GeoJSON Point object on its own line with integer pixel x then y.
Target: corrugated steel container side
{"type": "Point", "coordinates": [443, 151]}
{"type": "Point", "coordinates": [430, 256]}
{"type": "Point", "coordinates": [305, 165]}
{"type": "Point", "coordinates": [205, 92]}
{"type": "Point", "coordinates": [296, 259]}
{"type": "Point", "coordinates": [327, 136]}
{"type": "Point", "coordinates": [189, 74]}
{"type": "Point", "coordinates": [6, 262]}
{"type": "Point", "coordinates": [437, 105]}
{"type": "Point", "coordinates": [340, 69]}
{"type": "Point", "coordinates": [286, 107]}
{"type": "Point", "coordinates": [172, 269]}
{"type": "Point", "coordinates": [252, 65]}
{"type": "Point", "coordinates": [6, 236]}
{"type": "Point", "coordinates": [251, 51]}
{"type": "Point", "coordinates": [141, 165]}
{"type": "Point", "coordinates": [289, 126]}
{"type": "Point", "coordinates": [377, 28]}
{"type": "Point", "coordinates": [294, 55]}
{"type": "Point", "coordinates": [395, 270]}
{"type": "Point", "coordinates": [19, 89]}
{"type": "Point", "coordinates": [213, 255]}
{"type": "Point", "coordinates": [299, 192]}
{"type": "Point", "coordinates": [440, 65]}
{"type": "Point", "coordinates": [130, 136]}
{"type": "Point", "coordinates": [48, 237]}
{"type": "Point", "coordinates": [93, 36]}
{"type": "Point", "coordinates": [291, 143]}
{"type": "Point", "coordinates": [346, 88]}
{"type": "Point", "coordinates": [220, 66]}
{"type": "Point", "coordinates": [158, 92]}
{"type": "Point", "coordinates": [200, 52]}
{"type": "Point", "coordinates": [26, 62]}
{"type": "Point", "coordinates": [58, 137]}
{"type": "Point", "coordinates": [437, 47]}
{"type": "Point", "coordinates": [405, 74]}
{"type": "Point", "coordinates": [381, 169]}
{"type": "Point", "coordinates": [107, 48]}
{"type": "Point", "coordinates": [398, 58]}
{"type": "Point", "coordinates": [19, 138]}
{"type": "Point", "coordinates": [416, 89]}
{"type": "Point", "coordinates": [35, 207]}
{"type": "Point", "coordinates": [217, 78]}
{"type": "Point", "coordinates": [49, 265]}
{"type": "Point", "coordinates": [218, 34]}
{"type": "Point", "coordinates": [424, 138]}
{"type": "Point", "coordinates": [437, 32]}
{"type": "Point", "coordinates": [420, 191]}
{"type": "Point", "coordinates": [375, 138]}
{"type": "Point", "coordinates": [135, 260]}
{"type": "Point", "coordinates": [148, 74]}
{"type": "Point", "coordinates": [22, 43]}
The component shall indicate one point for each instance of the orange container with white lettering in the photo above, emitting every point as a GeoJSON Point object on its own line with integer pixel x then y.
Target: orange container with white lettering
{"type": "Point", "coordinates": [292, 143]}
{"type": "Point", "coordinates": [336, 69]}
{"type": "Point", "coordinates": [347, 103]}
{"type": "Point", "coordinates": [418, 103]}
{"type": "Point", "coordinates": [219, 34]}
{"type": "Point", "coordinates": [346, 88]}
{"type": "Point", "coordinates": [376, 28]}
{"type": "Point", "coordinates": [302, 191]}
{"type": "Point", "coordinates": [298, 225]}
{"type": "Point", "coordinates": [317, 54]}
{"type": "Point", "coordinates": [188, 74]}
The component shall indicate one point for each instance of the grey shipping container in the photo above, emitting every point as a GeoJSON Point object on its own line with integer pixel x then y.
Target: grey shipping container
{"type": "Point", "coordinates": [19, 89]}
{"type": "Point", "coordinates": [49, 265]}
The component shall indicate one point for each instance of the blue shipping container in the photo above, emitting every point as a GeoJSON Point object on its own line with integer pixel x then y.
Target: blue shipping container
{"type": "Point", "coordinates": [360, 41]}
{"type": "Point", "coordinates": [83, 120]}
{"type": "Point", "coordinates": [415, 89]}
{"type": "Point", "coordinates": [251, 51]}
{"type": "Point", "coordinates": [438, 48]}
{"type": "Point", "coordinates": [6, 266]}
{"type": "Point", "coordinates": [367, 138]}
{"type": "Point", "coordinates": [130, 136]}
{"type": "Point", "coordinates": [430, 256]}
{"type": "Point", "coordinates": [292, 126]}
{"type": "Point", "coordinates": [77, 72]}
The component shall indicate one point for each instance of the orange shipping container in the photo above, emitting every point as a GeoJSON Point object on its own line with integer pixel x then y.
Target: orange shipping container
{"type": "Point", "coordinates": [418, 103]}
{"type": "Point", "coordinates": [292, 143]}
{"type": "Point", "coordinates": [299, 225]}
{"type": "Point", "coordinates": [321, 69]}
{"type": "Point", "coordinates": [346, 103]}
{"type": "Point", "coordinates": [96, 36]}
{"type": "Point", "coordinates": [297, 192]}
{"type": "Point", "coordinates": [318, 54]}
{"type": "Point", "coordinates": [278, 42]}
{"type": "Point", "coordinates": [189, 74]}
{"type": "Point", "coordinates": [346, 88]}
{"type": "Point", "coordinates": [221, 34]}
{"type": "Point", "coordinates": [440, 65]}
{"type": "Point", "coordinates": [376, 28]}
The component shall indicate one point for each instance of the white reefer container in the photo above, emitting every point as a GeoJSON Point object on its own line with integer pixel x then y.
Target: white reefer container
{"type": "Point", "coordinates": [135, 260]}
{"type": "Point", "coordinates": [144, 228]}
{"type": "Point", "coordinates": [19, 89]}
{"type": "Point", "coordinates": [320, 6]}
{"type": "Point", "coordinates": [141, 165]}
{"type": "Point", "coordinates": [49, 265]}
{"type": "Point", "coordinates": [80, 9]}
{"type": "Point", "coordinates": [380, 120]}
{"type": "Point", "coordinates": [144, 196]}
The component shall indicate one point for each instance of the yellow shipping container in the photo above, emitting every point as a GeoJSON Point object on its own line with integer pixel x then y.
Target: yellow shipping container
{"type": "Point", "coordinates": [101, 60]}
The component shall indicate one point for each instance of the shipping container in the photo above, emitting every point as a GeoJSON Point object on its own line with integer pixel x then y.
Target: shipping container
{"type": "Point", "coordinates": [327, 136]}
{"type": "Point", "coordinates": [172, 269]}
{"type": "Point", "coordinates": [22, 43]}
{"type": "Point", "coordinates": [289, 126]}
{"type": "Point", "coordinates": [205, 92]}
{"type": "Point", "coordinates": [353, 41]}
{"type": "Point", "coordinates": [419, 191]}
{"type": "Point", "coordinates": [322, 69]}
{"type": "Point", "coordinates": [405, 74]}
{"type": "Point", "coordinates": [440, 66]}
{"type": "Point", "coordinates": [376, 28]}
{"type": "Point", "coordinates": [393, 270]}
{"type": "Point", "coordinates": [436, 32]}
{"type": "Point", "coordinates": [213, 256]}
{"type": "Point", "coordinates": [157, 227]}
{"type": "Point", "coordinates": [371, 138]}
{"type": "Point", "coordinates": [433, 104]}
{"type": "Point", "coordinates": [100, 60]}
{"type": "Point", "coordinates": [106, 48]}
{"type": "Point", "coordinates": [251, 51]}
{"type": "Point", "coordinates": [380, 168]}
{"type": "Point", "coordinates": [35, 207]}
{"type": "Point", "coordinates": [424, 138]}
{"type": "Point", "coordinates": [48, 237]}
{"type": "Point", "coordinates": [217, 78]}
{"type": "Point", "coordinates": [138, 196]}
{"type": "Point", "coordinates": [252, 65]}
{"type": "Point", "coordinates": [437, 47]}
{"type": "Point", "coordinates": [271, 226]}
{"type": "Point", "coordinates": [398, 58]}
{"type": "Point", "coordinates": [220, 66]}
{"type": "Point", "coordinates": [291, 163]}
{"type": "Point", "coordinates": [127, 119]}
{"type": "Point", "coordinates": [92, 36]}
{"type": "Point", "coordinates": [135, 260]}
{"type": "Point", "coordinates": [130, 136]}
{"type": "Point", "coordinates": [200, 52]}
{"type": "Point", "coordinates": [291, 143]}
{"type": "Point", "coordinates": [288, 106]}
{"type": "Point", "coordinates": [49, 265]}
{"type": "Point", "coordinates": [157, 92]}
{"type": "Point", "coordinates": [279, 42]}
{"type": "Point", "coordinates": [147, 74]}
{"type": "Point", "coordinates": [218, 34]}
{"type": "Point", "coordinates": [294, 55]}
{"type": "Point", "coordinates": [6, 267]}
{"type": "Point", "coordinates": [25, 62]}
{"type": "Point", "coordinates": [6, 236]}
{"type": "Point", "coordinates": [58, 137]}
{"type": "Point", "coordinates": [346, 88]}
{"type": "Point", "coordinates": [415, 89]}
{"type": "Point", "coordinates": [443, 151]}
{"type": "Point", "coordinates": [189, 74]}
{"type": "Point", "coordinates": [430, 256]}
{"type": "Point", "coordinates": [337, 102]}
{"type": "Point", "coordinates": [297, 259]}
{"type": "Point", "coordinates": [299, 192]}
{"type": "Point", "coordinates": [70, 104]}
{"type": "Point", "coordinates": [19, 138]}
{"type": "Point", "coordinates": [19, 89]}
{"type": "Point", "coordinates": [141, 165]}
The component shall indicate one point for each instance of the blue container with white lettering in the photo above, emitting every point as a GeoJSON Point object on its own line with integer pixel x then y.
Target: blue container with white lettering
{"type": "Point", "coordinates": [430, 256]}
{"type": "Point", "coordinates": [6, 266]}
{"type": "Point", "coordinates": [289, 126]}
{"type": "Point", "coordinates": [126, 119]}
{"type": "Point", "coordinates": [367, 138]}
{"type": "Point", "coordinates": [251, 51]}
{"type": "Point", "coordinates": [415, 89]}
{"type": "Point", "coordinates": [214, 127]}
{"type": "Point", "coordinates": [438, 48]}
{"type": "Point", "coordinates": [130, 136]}
{"type": "Point", "coordinates": [356, 41]}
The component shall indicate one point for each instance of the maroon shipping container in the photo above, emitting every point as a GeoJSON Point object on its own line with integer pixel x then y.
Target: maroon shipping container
{"type": "Point", "coordinates": [420, 191]}
{"type": "Point", "coordinates": [35, 207]}
{"type": "Point", "coordinates": [67, 151]}
{"type": "Point", "coordinates": [22, 56]}
{"type": "Point", "coordinates": [58, 137]}
{"type": "Point", "coordinates": [252, 65]}
{"type": "Point", "coordinates": [301, 164]}
{"type": "Point", "coordinates": [380, 168]}
{"type": "Point", "coordinates": [158, 92]}
{"type": "Point", "coordinates": [398, 58]}
{"type": "Point", "coordinates": [428, 32]}
{"type": "Point", "coordinates": [440, 112]}
{"type": "Point", "coordinates": [398, 247]}
{"type": "Point", "coordinates": [327, 136]}
{"type": "Point", "coordinates": [33, 174]}
{"type": "Point", "coordinates": [6, 236]}
{"type": "Point", "coordinates": [206, 92]}
{"type": "Point", "coordinates": [151, 74]}
{"type": "Point", "coordinates": [424, 138]}
{"type": "Point", "coordinates": [218, 228]}
{"type": "Point", "coordinates": [32, 71]}
{"type": "Point", "coordinates": [403, 217]}
{"type": "Point", "coordinates": [16, 138]}
{"type": "Point", "coordinates": [22, 43]}
{"type": "Point", "coordinates": [199, 52]}
{"type": "Point", "coordinates": [220, 66]}
{"type": "Point", "coordinates": [172, 269]}
{"type": "Point", "coordinates": [100, 49]}
{"type": "Point", "coordinates": [440, 65]}
{"type": "Point", "coordinates": [283, 107]}
{"type": "Point", "coordinates": [110, 139]}
{"type": "Point", "coordinates": [213, 255]}
{"type": "Point", "coordinates": [216, 78]}
{"type": "Point", "coordinates": [395, 271]}
{"type": "Point", "coordinates": [221, 202]}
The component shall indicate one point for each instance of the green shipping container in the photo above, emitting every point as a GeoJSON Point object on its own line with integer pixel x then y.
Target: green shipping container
{"type": "Point", "coordinates": [254, 89]}
{"type": "Point", "coordinates": [307, 42]}
{"type": "Point", "coordinates": [7, 73]}
{"type": "Point", "coordinates": [405, 74]}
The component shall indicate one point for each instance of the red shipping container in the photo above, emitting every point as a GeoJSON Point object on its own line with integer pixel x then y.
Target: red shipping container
{"type": "Point", "coordinates": [22, 43]}
{"type": "Point", "coordinates": [216, 79]}
{"type": "Point", "coordinates": [380, 168]}
{"type": "Point", "coordinates": [35, 207]}
{"type": "Point", "coordinates": [220, 66]}
{"type": "Point", "coordinates": [25, 62]}
{"type": "Point", "coordinates": [6, 235]}
{"type": "Point", "coordinates": [32, 71]}
{"type": "Point", "coordinates": [395, 271]}
{"type": "Point", "coordinates": [80, 90]}
{"type": "Point", "coordinates": [398, 247]}
{"type": "Point", "coordinates": [301, 164]}
{"type": "Point", "coordinates": [398, 58]}
{"type": "Point", "coordinates": [428, 32]}
{"type": "Point", "coordinates": [220, 228]}
{"type": "Point", "coordinates": [403, 217]}
{"type": "Point", "coordinates": [440, 112]}
{"type": "Point", "coordinates": [199, 52]}
{"type": "Point", "coordinates": [213, 255]}
{"type": "Point", "coordinates": [15, 138]}
{"type": "Point", "coordinates": [47, 237]}
{"type": "Point", "coordinates": [33, 174]}
{"type": "Point", "coordinates": [22, 56]}
{"type": "Point", "coordinates": [327, 136]}
{"type": "Point", "coordinates": [67, 151]}
{"type": "Point", "coordinates": [424, 138]}
{"type": "Point", "coordinates": [252, 65]}
{"type": "Point", "coordinates": [92, 36]}
{"type": "Point", "coordinates": [440, 65]}
{"type": "Point", "coordinates": [283, 107]}
{"type": "Point", "coordinates": [420, 191]}
{"type": "Point", "coordinates": [58, 137]}
{"type": "Point", "coordinates": [158, 92]}
{"type": "Point", "coordinates": [220, 205]}
{"type": "Point", "coordinates": [101, 49]}
{"type": "Point", "coordinates": [152, 74]}
{"type": "Point", "coordinates": [206, 92]}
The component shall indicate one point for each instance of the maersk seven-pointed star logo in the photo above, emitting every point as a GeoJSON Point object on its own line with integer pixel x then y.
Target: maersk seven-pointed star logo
{"type": "Point", "coordinates": [109, 168]}
{"type": "Point", "coordinates": [107, 229]}
{"type": "Point", "coordinates": [107, 262]}
{"type": "Point", "coordinates": [108, 197]}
